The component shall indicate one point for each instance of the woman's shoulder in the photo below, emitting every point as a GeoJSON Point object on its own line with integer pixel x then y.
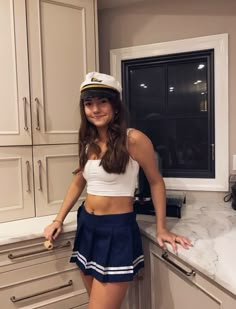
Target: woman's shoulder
{"type": "Point", "coordinates": [139, 146]}
{"type": "Point", "coordinates": [135, 136]}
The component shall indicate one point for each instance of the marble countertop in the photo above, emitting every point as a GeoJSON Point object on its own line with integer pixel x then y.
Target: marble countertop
{"type": "Point", "coordinates": [211, 228]}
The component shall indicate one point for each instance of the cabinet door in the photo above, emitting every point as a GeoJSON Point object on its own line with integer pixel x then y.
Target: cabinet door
{"type": "Point", "coordinates": [53, 167]}
{"type": "Point", "coordinates": [131, 300]}
{"type": "Point", "coordinates": [172, 290]}
{"type": "Point", "coordinates": [144, 282]}
{"type": "Point", "coordinates": [139, 293]}
{"type": "Point", "coordinates": [62, 49]}
{"type": "Point", "coordinates": [16, 178]}
{"type": "Point", "coordinates": [14, 76]}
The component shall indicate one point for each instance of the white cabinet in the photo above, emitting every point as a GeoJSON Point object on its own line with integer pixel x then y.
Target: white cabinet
{"type": "Point", "coordinates": [16, 179]}
{"type": "Point", "coordinates": [139, 293]}
{"type": "Point", "coordinates": [47, 47]}
{"type": "Point", "coordinates": [131, 300]}
{"type": "Point", "coordinates": [15, 116]}
{"type": "Point", "coordinates": [32, 277]}
{"type": "Point", "coordinates": [21, 188]}
{"type": "Point", "coordinates": [169, 283]}
{"type": "Point", "coordinates": [175, 285]}
{"type": "Point", "coordinates": [53, 167]}
{"type": "Point", "coordinates": [62, 49]}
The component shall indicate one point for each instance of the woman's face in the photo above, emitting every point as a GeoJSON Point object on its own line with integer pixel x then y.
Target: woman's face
{"type": "Point", "coordinates": [98, 111]}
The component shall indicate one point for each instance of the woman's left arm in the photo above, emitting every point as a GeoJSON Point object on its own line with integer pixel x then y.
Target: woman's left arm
{"type": "Point", "coordinates": [141, 149]}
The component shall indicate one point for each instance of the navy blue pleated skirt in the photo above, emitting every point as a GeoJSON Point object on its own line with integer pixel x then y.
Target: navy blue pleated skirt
{"type": "Point", "coordinates": [108, 247]}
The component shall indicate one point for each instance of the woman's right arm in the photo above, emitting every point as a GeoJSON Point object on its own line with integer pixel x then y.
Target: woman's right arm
{"type": "Point", "coordinates": [74, 191]}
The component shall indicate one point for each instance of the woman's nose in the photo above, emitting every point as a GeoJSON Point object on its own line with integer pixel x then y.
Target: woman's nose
{"type": "Point", "coordinates": [95, 108]}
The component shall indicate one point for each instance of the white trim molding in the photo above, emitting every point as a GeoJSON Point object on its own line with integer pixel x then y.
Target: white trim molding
{"type": "Point", "coordinates": [220, 45]}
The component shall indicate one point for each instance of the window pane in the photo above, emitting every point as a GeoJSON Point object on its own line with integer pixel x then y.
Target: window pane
{"type": "Point", "coordinates": [181, 143]}
{"type": "Point", "coordinates": [187, 87]}
{"type": "Point", "coordinates": [147, 92]}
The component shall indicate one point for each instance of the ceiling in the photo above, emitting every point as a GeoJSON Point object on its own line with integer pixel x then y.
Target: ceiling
{"type": "Point", "coordinates": [209, 7]}
{"type": "Point", "coordinates": [106, 4]}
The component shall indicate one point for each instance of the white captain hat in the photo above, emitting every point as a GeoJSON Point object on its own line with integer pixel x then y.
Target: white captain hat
{"type": "Point", "coordinates": [99, 84]}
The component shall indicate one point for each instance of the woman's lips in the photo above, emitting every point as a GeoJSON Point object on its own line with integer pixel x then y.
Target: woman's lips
{"type": "Point", "coordinates": [97, 117]}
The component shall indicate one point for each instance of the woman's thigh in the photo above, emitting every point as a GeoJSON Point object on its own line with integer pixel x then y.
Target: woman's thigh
{"type": "Point", "coordinates": [107, 295]}
{"type": "Point", "coordinates": [88, 281]}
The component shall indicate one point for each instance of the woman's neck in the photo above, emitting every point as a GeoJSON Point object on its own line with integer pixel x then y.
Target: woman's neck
{"type": "Point", "coordinates": [102, 135]}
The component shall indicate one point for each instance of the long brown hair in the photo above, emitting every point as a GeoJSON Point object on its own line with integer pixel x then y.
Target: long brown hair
{"type": "Point", "coordinates": [116, 157]}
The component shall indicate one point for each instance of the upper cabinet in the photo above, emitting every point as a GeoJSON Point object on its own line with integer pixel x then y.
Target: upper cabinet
{"type": "Point", "coordinates": [62, 49]}
{"type": "Point", "coordinates": [47, 47]}
{"type": "Point", "coordinates": [15, 116]}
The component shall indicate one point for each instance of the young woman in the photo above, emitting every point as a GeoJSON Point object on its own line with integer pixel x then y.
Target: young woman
{"type": "Point", "coordinates": [107, 246]}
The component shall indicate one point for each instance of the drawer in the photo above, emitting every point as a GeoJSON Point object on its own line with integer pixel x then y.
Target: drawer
{"type": "Point", "coordinates": [62, 304]}
{"type": "Point", "coordinates": [32, 252]}
{"type": "Point", "coordinates": [41, 270]}
{"type": "Point", "coordinates": [81, 307]}
{"type": "Point", "coordinates": [48, 285]}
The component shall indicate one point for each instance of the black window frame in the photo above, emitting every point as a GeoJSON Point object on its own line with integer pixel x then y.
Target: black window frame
{"type": "Point", "coordinates": [208, 55]}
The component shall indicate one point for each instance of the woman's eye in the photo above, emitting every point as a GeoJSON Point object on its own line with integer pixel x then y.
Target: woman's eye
{"type": "Point", "coordinates": [104, 100]}
{"type": "Point", "coordinates": [87, 103]}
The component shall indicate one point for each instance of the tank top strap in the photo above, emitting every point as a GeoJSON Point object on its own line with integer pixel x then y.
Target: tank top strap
{"type": "Point", "coordinates": [127, 140]}
{"type": "Point", "coordinates": [128, 131]}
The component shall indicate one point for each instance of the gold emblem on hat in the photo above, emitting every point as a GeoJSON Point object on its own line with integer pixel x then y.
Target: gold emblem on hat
{"type": "Point", "coordinates": [94, 79]}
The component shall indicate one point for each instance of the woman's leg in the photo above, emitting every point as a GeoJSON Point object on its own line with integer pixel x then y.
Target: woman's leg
{"type": "Point", "coordinates": [88, 281]}
{"type": "Point", "coordinates": [107, 295]}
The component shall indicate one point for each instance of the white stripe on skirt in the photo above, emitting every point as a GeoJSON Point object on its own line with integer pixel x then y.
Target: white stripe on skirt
{"type": "Point", "coordinates": [108, 270]}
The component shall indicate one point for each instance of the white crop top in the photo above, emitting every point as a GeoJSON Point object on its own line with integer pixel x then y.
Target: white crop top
{"type": "Point", "coordinates": [99, 182]}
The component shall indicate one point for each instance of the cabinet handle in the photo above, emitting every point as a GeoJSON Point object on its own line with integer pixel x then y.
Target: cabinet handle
{"type": "Point", "coordinates": [25, 114]}
{"type": "Point", "coordinates": [40, 176]}
{"type": "Point", "coordinates": [28, 175]}
{"type": "Point", "coordinates": [13, 256]}
{"type": "Point", "coordinates": [185, 272]}
{"type": "Point", "coordinates": [37, 114]}
{"type": "Point", "coordinates": [14, 299]}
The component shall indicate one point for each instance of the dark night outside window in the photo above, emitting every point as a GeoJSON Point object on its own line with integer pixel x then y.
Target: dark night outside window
{"type": "Point", "coordinates": [171, 99]}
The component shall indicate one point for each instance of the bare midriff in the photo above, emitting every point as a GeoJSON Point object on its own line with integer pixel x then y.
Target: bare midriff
{"type": "Point", "coordinates": [105, 205]}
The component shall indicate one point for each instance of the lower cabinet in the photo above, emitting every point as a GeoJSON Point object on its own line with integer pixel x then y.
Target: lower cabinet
{"type": "Point", "coordinates": [139, 293]}
{"type": "Point", "coordinates": [32, 277]}
{"type": "Point", "coordinates": [131, 300]}
{"type": "Point", "coordinates": [81, 307]}
{"type": "Point", "coordinates": [34, 180]}
{"type": "Point", "coordinates": [169, 283]}
{"type": "Point", "coordinates": [176, 286]}
{"type": "Point", "coordinates": [36, 278]}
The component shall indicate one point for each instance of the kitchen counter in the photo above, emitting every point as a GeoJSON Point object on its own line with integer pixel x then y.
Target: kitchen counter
{"type": "Point", "coordinates": [211, 228]}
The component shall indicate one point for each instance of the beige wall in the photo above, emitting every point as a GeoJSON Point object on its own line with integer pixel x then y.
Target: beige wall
{"type": "Point", "coordinates": [160, 21]}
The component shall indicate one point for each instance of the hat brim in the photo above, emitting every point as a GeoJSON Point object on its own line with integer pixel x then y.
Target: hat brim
{"type": "Point", "coordinates": [99, 92]}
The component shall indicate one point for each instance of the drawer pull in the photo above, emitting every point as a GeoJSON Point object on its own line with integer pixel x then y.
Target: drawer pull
{"type": "Point", "coordinates": [12, 256]}
{"type": "Point", "coordinates": [187, 273]}
{"type": "Point", "coordinates": [14, 299]}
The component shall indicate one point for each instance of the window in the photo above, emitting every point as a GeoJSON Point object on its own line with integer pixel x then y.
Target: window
{"type": "Point", "coordinates": [171, 99]}
{"type": "Point", "coordinates": [218, 179]}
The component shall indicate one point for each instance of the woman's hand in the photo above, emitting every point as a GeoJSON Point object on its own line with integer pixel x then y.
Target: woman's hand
{"type": "Point", "coordinates": [172, 238]}
{"type": "Point", "coordinates": [52, 231]}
